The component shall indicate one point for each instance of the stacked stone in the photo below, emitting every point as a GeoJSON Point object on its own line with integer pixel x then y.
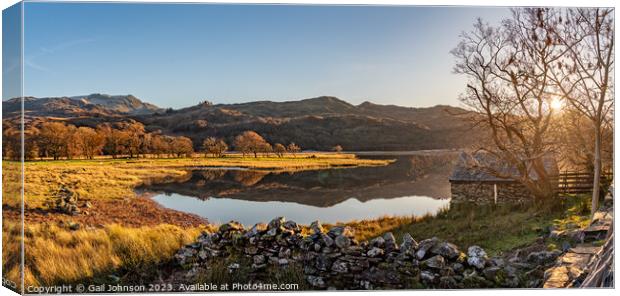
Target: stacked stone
{"type": "Point", "coordinates": [334, 259]}
{"type": "Point", "coordinates": [66, 201]}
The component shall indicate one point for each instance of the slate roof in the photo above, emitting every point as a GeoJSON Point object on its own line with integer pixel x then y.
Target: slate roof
{"type": "Point", "coordinates": [475, 168]}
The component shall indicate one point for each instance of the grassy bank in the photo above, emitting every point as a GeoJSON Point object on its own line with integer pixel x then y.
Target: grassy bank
{"type": "Point", "coordinates": [55, 255]}
{"type": "Point", "coordinates": [497, 228]}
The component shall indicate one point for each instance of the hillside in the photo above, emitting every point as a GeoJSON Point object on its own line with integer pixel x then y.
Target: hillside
{"type": "Point", "coordinates": [89, 105]}
{"type": "Point", "coordinates": [314, 124]}
{"type": "Point", "coordinates": [321, 123]}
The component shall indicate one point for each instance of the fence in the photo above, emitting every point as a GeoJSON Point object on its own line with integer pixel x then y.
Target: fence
{"type": "Point", "coordinates": [581, 182]}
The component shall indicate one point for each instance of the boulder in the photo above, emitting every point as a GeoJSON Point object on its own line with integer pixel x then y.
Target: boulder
{"type": "Point", "coordinates": [342, 241]}
{"type": "Point", "coordinates": [427, 276]}
{"type": "Point", "coordinates": [257, 229]}
{"type": "Point", "coordinates": [340, 267]}
{"type": "Point", "coordinates": [327, 240]}
{"type": "Point", "coordinates": [476, 257]}
{"type": "Point", "coordinates": [378, 242]}
{"type": "Point", "coordinates": [316, 227]}
{"type": "Point", "coordinates": [316, 281]}
{"type": "Point", "coordinates": [375, 252]}
{"type": "Point", "coordinates": [390, 242]}
{"type": "Point", "coordinates": [446, 250]}
{"type": "Point", "coordinates": [435, 262]}
{"type": "Point", "coordinates": [291, 225]}
{"type": "Point", "coordinates": [425, 246]}
{"type": "Point", "coordinates": [340, 231]}
{"type": "Point", "coordinates": [409, 245]}
{"type": "Point", "coordinates": [276, 223]}
{"type": "Point", "coordinates": [231, 226]}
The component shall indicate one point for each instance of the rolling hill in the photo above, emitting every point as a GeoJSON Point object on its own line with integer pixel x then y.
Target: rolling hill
{"type": "Point", "coordinates": [315, 124]}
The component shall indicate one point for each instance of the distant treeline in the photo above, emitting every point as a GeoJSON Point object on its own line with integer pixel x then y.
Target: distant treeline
{"type": "Point", "coordinates": [58, 140]}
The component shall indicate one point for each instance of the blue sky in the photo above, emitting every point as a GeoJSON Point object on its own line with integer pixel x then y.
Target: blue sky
{"type": "Point", "coordinates": [175, 55]}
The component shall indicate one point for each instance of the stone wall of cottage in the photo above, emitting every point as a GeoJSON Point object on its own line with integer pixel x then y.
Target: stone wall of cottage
{"type": "Point", "coordinates": [483, 192]}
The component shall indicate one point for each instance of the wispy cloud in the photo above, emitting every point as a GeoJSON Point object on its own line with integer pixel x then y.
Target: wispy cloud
{"type": "Point", "coordinates": [30, 60]}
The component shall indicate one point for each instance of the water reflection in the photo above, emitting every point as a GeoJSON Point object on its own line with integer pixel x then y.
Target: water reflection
{"type": "Point", "coordinates": [413, 185]}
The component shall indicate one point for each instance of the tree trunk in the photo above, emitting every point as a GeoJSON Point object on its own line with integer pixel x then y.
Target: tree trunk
{"type": "Point", "coordinates": [596, 186]}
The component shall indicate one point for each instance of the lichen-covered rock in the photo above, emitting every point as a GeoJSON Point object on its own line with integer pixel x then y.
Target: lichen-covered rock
{"type": "Point", "coordinates": [409, 245]}
{"type": "Point", "coordinates": [375, 252]}
{"type": "Point", "coordinates": [476, 257]}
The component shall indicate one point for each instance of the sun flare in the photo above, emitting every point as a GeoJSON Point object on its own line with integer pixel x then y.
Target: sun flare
{"type": "Point", "coordinates": [557, 104]}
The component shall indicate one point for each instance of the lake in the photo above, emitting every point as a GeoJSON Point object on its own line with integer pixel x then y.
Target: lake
{"type": "Point", "coordinates": [412, 185]}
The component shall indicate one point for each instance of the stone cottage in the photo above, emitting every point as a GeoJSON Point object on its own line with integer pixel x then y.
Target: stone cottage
{"type": "Point", "coordinates": [476, 177]}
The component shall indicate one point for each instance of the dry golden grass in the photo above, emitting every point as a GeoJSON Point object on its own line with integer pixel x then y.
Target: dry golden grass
{"type": "Point", "coordinates": [56, 255]}
{"type": "Point", "coordinates": [116, 178]}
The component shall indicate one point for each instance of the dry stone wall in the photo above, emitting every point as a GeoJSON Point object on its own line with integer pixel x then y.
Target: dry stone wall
{"type": "Point", "coordinates": [335, 260]}
{"type": "Point", "coordinates": [481, 192]}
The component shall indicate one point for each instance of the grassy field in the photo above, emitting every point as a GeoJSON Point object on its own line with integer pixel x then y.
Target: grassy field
{"type": "Point", "coordinates": [116, 178]}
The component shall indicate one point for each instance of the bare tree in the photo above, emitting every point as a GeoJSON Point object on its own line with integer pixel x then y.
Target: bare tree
{"type": "Point", "coordinates": [584, 75]}
{"type": "Point", "coordinates": [279, 149]}
{"type": "Point", "coordinates": [293, 148]}
{"type": "Point", "coordinates": [510, 90]}
{"type": "Point", "coordinates": [217, 147]}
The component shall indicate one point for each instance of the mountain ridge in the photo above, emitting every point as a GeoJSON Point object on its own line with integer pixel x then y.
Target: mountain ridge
{"type": "Point", "coordinates": [318, 123]}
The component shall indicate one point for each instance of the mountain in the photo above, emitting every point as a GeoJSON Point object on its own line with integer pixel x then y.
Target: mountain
{"type": "Point", "coordinates": [321, 123]}
{"type": "Point", "coordinates": [93, 105]}
{"type": "Point", "coordinates": [315, 124]}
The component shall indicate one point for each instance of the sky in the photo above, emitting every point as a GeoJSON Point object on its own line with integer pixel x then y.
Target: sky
{"type": "Point", "coordinates": [176, 55]}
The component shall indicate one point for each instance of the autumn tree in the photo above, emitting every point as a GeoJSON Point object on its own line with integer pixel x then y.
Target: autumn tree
{"type": "Point", "coordinates": [584, 74]}
{"type": "Point", "coordinates": [133, 141]}
{"type": "Point", "coordinates": [89, 141]}
{"type": "Point", "coordinates": [250, 142]}
{"type": "Point", "coordinates": [279, 149]}
{"type": "Point", "coordinates": [510, 89]}
{"type": "Point", "coordinates": [159, 145]}
{"type": "Point", "coordinates": [115, 140]}
{"type": "Point", "coordinates": [216, 147]}
{"type": "Point", "coordinates": [53, 136]}
{"type": "Point", "coordinates": [293, 148]}
{"type": "Point", "coordinates": [182, 146]}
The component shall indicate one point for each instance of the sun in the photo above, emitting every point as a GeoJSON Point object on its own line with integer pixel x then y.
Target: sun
{"type": "Point", "coordinates": [557, 104]}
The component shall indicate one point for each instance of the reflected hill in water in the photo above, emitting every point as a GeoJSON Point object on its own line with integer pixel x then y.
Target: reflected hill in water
{"type": "Point", "coordinates": [413, 175]}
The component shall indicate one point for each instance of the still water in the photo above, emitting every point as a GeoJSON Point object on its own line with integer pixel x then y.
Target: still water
{"type": "Point", "coordinates": [413, 185]}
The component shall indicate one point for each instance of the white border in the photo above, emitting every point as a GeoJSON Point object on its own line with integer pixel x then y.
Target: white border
{"type": "Point", "coordinates": [606, 3]}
